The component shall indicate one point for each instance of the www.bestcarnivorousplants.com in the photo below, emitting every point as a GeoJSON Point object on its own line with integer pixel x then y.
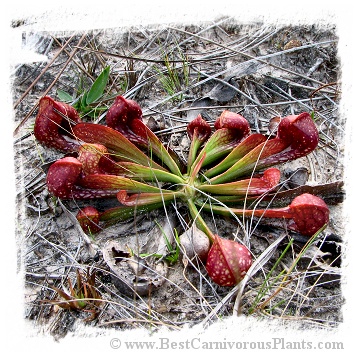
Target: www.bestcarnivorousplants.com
{"type": "Point", "coordinates": [197, 343]}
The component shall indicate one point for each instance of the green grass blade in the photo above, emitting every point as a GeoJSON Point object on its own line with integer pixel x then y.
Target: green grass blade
{"type": "Point", "coordinates": [64, 96]}
{"type": "Point", "coordinates": [98, 87]}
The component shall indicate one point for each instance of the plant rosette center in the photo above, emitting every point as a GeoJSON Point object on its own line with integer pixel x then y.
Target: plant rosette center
{"type": "Point", "coordinates": [227, 164]}
{"type": "Point", "coordinates": [191, 187]}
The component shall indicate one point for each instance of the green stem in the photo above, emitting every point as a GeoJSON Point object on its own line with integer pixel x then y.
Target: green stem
{"type": "Point", "coordinates": [145, 173]}
{"type": "Point", "coordinates": [122, 213]}
{"type": "Point", "coordinates": [251, 161]}
{"type": "Point", "coordinates": [218, 145]}
{"type": "Point", "coordinates": [113, 182]}
{"type": "Point", "coordinates": [156, 146]}
{"type": "Point", "coordinates": [200, 223]}
{"type": "Point", "coordinates": [241, 188]}
{"type": "Point", "coordinates": [195, 145]}
{"type": "Point", "coordinates": [146, 199]}
{"type": "Point", "coordinates": [283, 212]}
{"type": "Point", "coordinates": [195, 169]}
{"type": "Point", "coordinates": [242, 149]}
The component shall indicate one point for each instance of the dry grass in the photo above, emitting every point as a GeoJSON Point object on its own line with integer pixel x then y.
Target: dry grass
{"type": "Point", "coordinates": [260, 71]}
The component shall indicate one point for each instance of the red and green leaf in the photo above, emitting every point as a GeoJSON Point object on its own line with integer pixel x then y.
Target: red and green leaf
{"type": "Point", "coordinates": [307, 213]}
{"type": "Point", "coordinates": [113, 182]}
{"type": "Point", "coordinates": [141, 172]}
{"type": "Point", "coordinates": [117, 144]}
{"type": "Point", "coordinates": [251, 186]}
{"type": "Point", "coordinates": [142, 199]}
{"type": "Point", "coordinates": [242, 149]}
